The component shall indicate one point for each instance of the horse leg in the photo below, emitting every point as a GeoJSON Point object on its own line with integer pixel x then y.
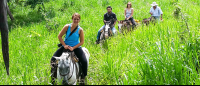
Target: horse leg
{"type": "Point", "coordinates": [82, 80]}
{"type": "Point", "coordinates": [53, 72]}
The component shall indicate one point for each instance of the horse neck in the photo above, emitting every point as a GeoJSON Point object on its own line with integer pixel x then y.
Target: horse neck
{"type": "Point", "coordinates": [106, 27]}
{"type": "Point", "coordinates": [120, 25]}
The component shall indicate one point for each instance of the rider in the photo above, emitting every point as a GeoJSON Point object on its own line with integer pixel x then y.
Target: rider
{"type": "Point", "coordinates": [107, 16]}
{"type": "Point", "coordinates": [129, 13]}
{"type": "Point", "coordinates": [71, 43]}
{"type": "Point", "coordinates": [156, 11]}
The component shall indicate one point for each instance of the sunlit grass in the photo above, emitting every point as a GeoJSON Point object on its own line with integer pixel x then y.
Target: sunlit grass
{"type": "Point", "coordinates": [153, 55]}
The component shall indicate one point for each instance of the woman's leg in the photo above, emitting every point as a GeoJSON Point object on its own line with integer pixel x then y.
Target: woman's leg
{"type": "Point", "coordinates": [114, 31]}
{"type": "Point", "coordinates": [133, 22]}
{"type": "Point", "coordinates": [58, 53]}
{"type": "Point", "coordinates": [82, 58]}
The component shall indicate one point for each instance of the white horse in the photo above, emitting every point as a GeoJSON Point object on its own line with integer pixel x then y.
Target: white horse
{"type": "Point", "coordinates": [105, 34]}
{"type": "Point", "coordinates": [120, 27]}
{"type": "Point", "coordinates": [68, 67]}
{"type": "Point", "coordinates": [107, 30]}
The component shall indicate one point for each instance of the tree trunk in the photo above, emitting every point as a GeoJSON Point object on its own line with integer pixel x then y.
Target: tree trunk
{"type": "Point", "coordinates": [4, 33]}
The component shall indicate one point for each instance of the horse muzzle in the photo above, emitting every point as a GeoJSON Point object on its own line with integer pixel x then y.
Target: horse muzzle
{"type": "Point", "coordinates": [65, 82]}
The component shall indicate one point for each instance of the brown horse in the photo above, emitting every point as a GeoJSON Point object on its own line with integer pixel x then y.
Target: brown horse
{"type": "Point", "coordinates": [124, 25]}
{"type": "Point", "coordinates": [149, 20]}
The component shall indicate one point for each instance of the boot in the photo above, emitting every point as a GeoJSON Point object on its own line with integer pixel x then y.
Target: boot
{"type": "Point", "coordinates": [97, 42]}
{"type": "Point", "coordinates": [82, 81]}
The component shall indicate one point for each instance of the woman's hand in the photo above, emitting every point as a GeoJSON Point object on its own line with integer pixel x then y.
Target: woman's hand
{"type": "Point", "coordinates": [66, 47]}
{"type": "Point", "coordinates": [70, 48]}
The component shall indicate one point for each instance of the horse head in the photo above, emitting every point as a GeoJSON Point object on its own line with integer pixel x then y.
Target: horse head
{"type": "Point", "coordinates": [63, 67]}
{"type": "Point", "coordinates": [106, 32]}
{"type": "Point", "coordinates": [107, 27]}
{"type": "Point", "coordinates": [145, 21]}
{"type": "Point", "coordinates": [120, 23]}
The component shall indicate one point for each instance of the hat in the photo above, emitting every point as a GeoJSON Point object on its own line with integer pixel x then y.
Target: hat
{"type": "Point", "coordinates": [154, 4]}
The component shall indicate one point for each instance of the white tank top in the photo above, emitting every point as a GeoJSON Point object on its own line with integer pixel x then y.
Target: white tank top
{"type": "Point", "coordinates": [128, 12]}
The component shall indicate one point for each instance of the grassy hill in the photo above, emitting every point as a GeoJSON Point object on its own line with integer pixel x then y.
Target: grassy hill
{"type": "Point", "coordinates": [167, 53]}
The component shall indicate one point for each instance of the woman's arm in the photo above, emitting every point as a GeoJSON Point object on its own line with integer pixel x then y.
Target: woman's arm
{"type": "Point", "coordinates": [81, 40]}
{"type": "Point", "coordinates": [131, 13]}
{"type": "Point", "coordinates": [63, 31]}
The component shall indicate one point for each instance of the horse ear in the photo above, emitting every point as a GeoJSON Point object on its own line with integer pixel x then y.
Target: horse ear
{"type": "Point", "coordinates": [68, 56]}
{"type": "Point", "coordinates": [57, 58]}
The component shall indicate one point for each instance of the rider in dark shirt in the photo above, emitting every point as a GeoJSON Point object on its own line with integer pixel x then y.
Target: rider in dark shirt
{"type": "Point", "coordinates": [107, 16]}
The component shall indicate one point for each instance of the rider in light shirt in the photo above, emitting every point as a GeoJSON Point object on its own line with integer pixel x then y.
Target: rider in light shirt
{"type": "Point", "coordinates": [156, 11]}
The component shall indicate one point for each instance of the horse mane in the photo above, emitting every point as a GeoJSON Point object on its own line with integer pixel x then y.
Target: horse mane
{"type": "Point", "coordinates": [66, 50]}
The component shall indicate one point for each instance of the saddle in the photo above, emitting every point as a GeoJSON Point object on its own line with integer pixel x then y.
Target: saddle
{"type": "Point", "coordinates": [74, 57]}
{"type": "Point", "coordinates": [125, 22]}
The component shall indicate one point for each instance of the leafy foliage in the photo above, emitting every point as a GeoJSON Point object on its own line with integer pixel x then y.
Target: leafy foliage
{"type": "Point", "coordinates": [163, 54]}
{"type": "Point", "coordinates": [33, 3]}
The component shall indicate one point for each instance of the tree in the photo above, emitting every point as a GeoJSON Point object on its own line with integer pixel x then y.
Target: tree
{"type": "Point", "coordinates": [4, 33]}
{"type": "Point", "coordinates": [33, 3]}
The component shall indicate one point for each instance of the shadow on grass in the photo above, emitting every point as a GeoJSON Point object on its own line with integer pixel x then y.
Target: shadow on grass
{"type": "Point", "coordinates": [30, 18]}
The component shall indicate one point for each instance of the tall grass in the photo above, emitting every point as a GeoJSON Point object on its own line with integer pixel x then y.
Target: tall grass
{"type": "Point", "coordinates": [164, 54]}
